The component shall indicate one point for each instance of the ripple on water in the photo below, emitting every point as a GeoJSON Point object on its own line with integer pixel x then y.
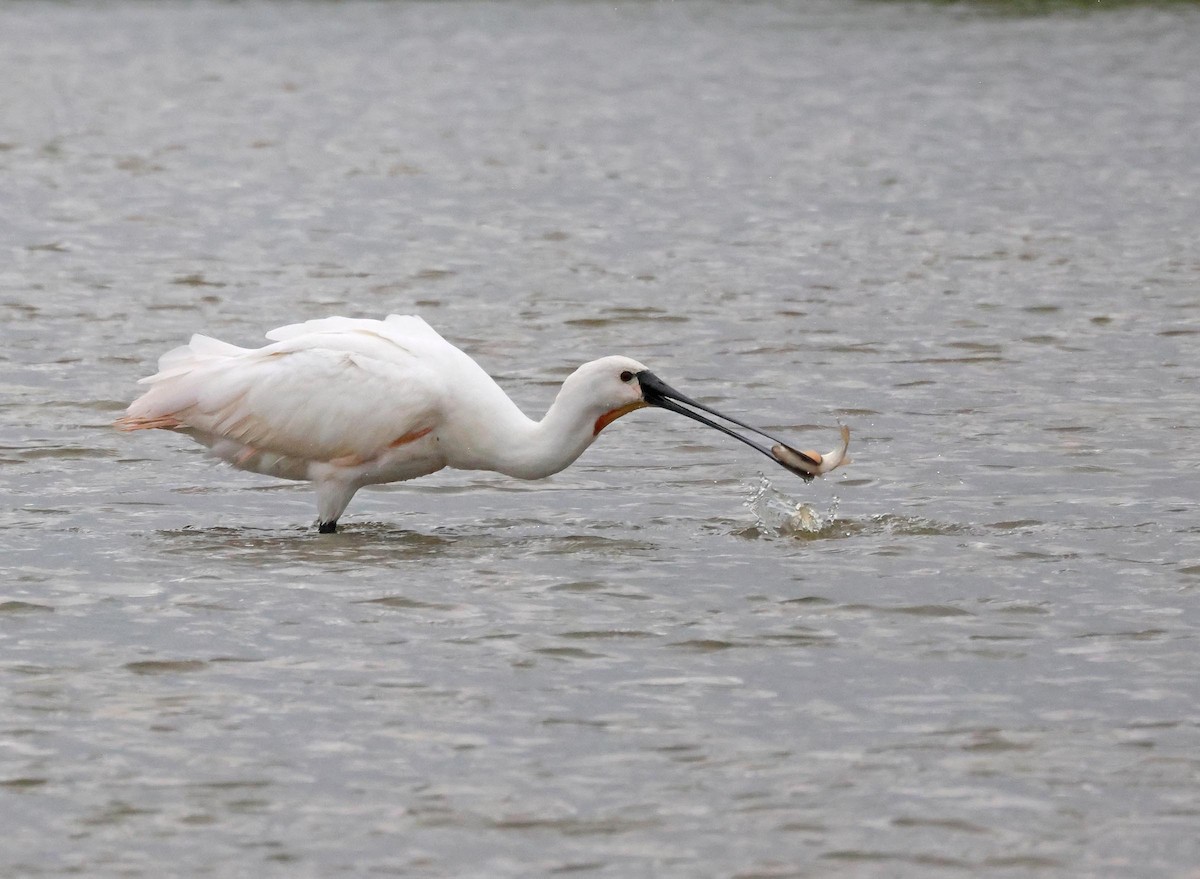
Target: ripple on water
{"type": "Point", "coordinates": [402, 602]}
{"type": "Point", "coordinates": [360, 545]}
{"type": "Point", "coordinates": [64, 452]}
{"type": "Point", "coordinates": [166, 666]}
{"type": "Point", "coordinates": [19, 607]}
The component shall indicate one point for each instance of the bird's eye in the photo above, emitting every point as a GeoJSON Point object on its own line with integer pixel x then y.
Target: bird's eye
{"type": "Point", "coordinates": [627, 376]}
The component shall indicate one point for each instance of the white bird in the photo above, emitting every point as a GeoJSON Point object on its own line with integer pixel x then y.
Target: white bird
{"type": "Point", "coordinates": [348, 402]}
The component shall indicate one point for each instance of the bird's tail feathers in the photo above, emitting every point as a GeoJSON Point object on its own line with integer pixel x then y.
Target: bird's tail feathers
{"type": "Point", "coordinates": [172, 392]}
{"type": "Point", "coordinates": [199, 351]}
{"type": "Point", "coordinates": [147, 422]}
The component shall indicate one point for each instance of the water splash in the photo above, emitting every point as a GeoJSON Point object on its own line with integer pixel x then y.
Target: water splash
{"type": "Point", "coordinates": [777, 513]}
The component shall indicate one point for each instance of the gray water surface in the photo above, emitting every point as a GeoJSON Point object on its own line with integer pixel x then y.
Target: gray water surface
{"type": "Point", "coordinates": [972, 238]}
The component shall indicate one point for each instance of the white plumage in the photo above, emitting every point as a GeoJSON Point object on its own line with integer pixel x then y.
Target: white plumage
{"type": "Point", "coordinates": [350, 402]}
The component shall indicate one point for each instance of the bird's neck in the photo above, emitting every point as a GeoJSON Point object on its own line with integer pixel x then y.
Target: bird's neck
{"type": "Point", "coordinates": [552, 444]}
{"type": "Point", "coordinates": [513, 444]}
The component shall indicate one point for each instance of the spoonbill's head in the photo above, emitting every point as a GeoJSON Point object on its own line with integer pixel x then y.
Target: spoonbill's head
{"type": "Point", "coordinates": [620, 385]}
{"type": "Point", "coordinates": [608, 388]}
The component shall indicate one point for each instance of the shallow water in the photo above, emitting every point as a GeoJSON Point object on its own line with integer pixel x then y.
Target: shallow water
{"type": "Point", "coordinates": [971, 238]}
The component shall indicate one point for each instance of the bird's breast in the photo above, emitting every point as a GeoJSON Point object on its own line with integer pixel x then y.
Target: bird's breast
{"type": "Point", "coordinates": [414, 454]}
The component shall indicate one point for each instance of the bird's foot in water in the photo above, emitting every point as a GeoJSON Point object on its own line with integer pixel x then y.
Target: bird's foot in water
{"type": "Point", "coordinates": [327, 527]}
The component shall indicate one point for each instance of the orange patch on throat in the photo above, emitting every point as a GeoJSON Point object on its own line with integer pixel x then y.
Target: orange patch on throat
{"type": "Point", "coordinates": [609, 417]}
{"type": "Point", "coordinates": [411, 437]}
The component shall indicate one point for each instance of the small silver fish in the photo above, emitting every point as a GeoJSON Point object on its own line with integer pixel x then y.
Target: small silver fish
{"type": "Point", "coordinates": [809, 464]}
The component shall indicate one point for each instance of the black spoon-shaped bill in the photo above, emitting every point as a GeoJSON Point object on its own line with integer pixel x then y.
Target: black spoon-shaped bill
{"type": "Point", "coordinates": [658, 393]}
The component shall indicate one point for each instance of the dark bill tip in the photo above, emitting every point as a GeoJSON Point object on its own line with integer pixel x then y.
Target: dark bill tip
{"type": "Point", "coordinates": [803, 465]}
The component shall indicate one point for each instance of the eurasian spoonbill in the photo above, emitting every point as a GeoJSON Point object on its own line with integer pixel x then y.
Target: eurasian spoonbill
{"type": "Point", "coordinates": [348, 402]}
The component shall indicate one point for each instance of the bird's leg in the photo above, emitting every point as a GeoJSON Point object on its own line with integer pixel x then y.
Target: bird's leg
{"type": "Point", "coordinates": [333, 495]}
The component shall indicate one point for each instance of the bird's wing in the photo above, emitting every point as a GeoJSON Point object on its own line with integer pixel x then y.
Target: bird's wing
{"type": "Point", "coordinates": [405, 330]}
{"type": "Point", "coordinates": [341, 392]}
